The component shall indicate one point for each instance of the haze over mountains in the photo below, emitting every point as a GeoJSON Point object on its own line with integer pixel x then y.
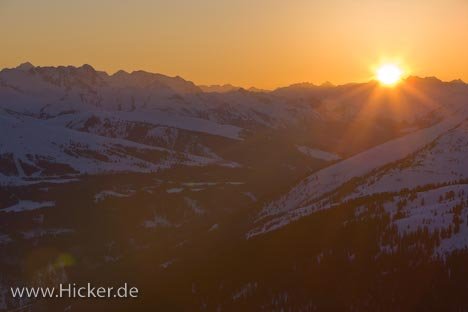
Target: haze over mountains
{"type": "Point", "coordinates": [179, 179]}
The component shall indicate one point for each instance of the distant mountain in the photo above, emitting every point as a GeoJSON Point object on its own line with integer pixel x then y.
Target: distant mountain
{"type": "Point", "coordinates": [219, 88]}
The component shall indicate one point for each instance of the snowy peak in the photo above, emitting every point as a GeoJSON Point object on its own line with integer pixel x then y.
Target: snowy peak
{"type": "Point", "coordinates": [143, 79]}
{"type": "Point", "coordinates": [87, 68]}
{"type": "Point", "coordinates": [25, 66]}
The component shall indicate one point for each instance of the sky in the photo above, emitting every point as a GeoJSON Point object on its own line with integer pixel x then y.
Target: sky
{"type": "Point", "coordinates": [261, 43]}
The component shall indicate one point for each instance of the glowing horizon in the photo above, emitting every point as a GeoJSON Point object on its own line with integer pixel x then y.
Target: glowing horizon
{"type": "Point", "coordinates": [265, 44]}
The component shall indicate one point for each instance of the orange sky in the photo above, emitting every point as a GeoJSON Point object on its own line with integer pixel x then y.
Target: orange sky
{"type": "Point", "coordinates": [263, 43]}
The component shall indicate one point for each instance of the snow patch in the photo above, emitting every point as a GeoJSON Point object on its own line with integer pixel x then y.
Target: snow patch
{"type": "Point", "coordinates": [318, 154]}
{"type": "Point", "coordinates": [28, 205]}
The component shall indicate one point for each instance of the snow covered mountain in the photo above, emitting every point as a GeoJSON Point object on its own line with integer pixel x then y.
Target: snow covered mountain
{"type": "Point", "coordinates": [46, 92]}
{"type": "Point", "coordinates": [84, 107]}
{"type": "Point", "coordinates": [421, 163]}
{"type": "Point", "coordinates": [33, 148]}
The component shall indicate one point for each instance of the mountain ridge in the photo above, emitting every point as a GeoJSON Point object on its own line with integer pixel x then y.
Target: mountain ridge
{"type": "Point", "coordinates": [26, 66]}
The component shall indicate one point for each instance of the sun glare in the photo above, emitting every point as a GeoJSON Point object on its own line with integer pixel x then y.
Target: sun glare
{"type": "Point", "coordinates": [389, 74]}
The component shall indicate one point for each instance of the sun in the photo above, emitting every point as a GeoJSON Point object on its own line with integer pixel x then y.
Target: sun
{"type": "Point", "coordinates": [389, 74]}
